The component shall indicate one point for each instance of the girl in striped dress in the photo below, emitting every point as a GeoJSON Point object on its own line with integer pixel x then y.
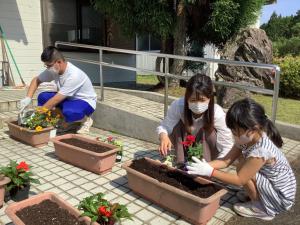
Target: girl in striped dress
{"type": "Point", "coordinates": [264, 172]}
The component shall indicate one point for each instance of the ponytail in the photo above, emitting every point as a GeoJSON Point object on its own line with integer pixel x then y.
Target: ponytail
{"type": "Point", "coordinates": [273, 133]}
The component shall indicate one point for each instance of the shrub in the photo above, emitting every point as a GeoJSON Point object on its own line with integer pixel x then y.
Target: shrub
{"type": "Point", "coordinates": [290, 76]}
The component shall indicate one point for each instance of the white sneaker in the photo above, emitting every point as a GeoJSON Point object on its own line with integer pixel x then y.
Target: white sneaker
{"type": "Point", "coordinates": [252, 209]}
{"type": "Point", "coordinates": [85, 126]}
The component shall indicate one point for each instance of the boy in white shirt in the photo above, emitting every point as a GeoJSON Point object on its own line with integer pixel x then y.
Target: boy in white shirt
{"type": "Point", "coordinates": [75, 95]}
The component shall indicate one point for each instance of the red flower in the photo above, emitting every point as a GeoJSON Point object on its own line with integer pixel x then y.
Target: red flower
{"type": "Point", "coordinates": [108, 213]}
{"type": "Point", "coordinates": [190, 138]}
{"type": "Point", "coordinates": [103, 211]}
{"type": "Point", "coordinates": [23, 165]}
{"type": "Point", "coordinates": [187, 143]}
{"type": "Point", "coordinates": [110, 138]}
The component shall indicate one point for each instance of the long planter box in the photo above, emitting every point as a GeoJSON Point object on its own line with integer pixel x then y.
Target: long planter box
{"type": "Point", "coordinates": [193, 208]}
{"type": "Point", "coordinates": [95, 162]}
{"type": "Point", "coordinates": [27, 136]}
{"type": "Point", "coordinates": [14, 207]}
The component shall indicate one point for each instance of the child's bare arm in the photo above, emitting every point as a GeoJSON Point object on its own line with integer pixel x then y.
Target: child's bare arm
{"type": "Point", "coordinates": [232, 155]}
{"type": "Point", "coordinates": [247, 172]}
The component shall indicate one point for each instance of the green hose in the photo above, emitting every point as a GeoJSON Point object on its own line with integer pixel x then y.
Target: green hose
{"type": "Point", "coordinates": [12, 56]}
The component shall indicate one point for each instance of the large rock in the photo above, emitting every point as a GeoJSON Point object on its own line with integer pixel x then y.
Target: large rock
{"type": "Point", "coordinates": [251, 45]}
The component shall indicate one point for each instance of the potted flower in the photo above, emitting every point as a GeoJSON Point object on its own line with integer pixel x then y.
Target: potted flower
{"type": "Point", "coordinates": [37, 127]}
{"type": "Point", "coordinates": [3, 181]}
{"type": "Point", "coordinates": [116, 142]}
{"type": "Point", "coordinates": [193, 148]}
{"type": "Point", "coordinates": [21, 177]}
{"type": "Point", "coordinates": [102, 211]}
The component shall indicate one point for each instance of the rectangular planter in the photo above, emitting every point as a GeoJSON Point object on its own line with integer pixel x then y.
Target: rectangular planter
{"type": "Point", "coordinates": [193, 208]}
{"type": "Point", "coordinates": [95, 162]}
{"type": "Point", "coordinates": [14, 207]}
{"type": "Point", "coordinates": [27, 136]}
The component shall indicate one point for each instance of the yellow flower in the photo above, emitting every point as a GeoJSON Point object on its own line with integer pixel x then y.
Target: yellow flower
{"type": "Point", "coordinates": [38, 128]}
{"type": "Point", "coordinates": [49, 113]}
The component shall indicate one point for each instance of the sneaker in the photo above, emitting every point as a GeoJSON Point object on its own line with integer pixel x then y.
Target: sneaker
{"type": "Point", "coordinates": [252, 209]}
{"type": "Point", "coordinates": [85, 126]}
{"type": "Point", "coordinates": [65, 128]}
{"type": "Point", "coordinates": [242, 196]}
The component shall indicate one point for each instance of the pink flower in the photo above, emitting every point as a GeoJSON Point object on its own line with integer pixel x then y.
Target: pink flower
{"type": "Point", "coordinates": [110, 139]}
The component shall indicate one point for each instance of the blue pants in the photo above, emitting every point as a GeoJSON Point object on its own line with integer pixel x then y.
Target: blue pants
{"type": "Point", "coordinates": [73, 110]}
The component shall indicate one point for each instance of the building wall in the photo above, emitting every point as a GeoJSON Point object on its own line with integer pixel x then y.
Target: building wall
{"type": "Point", "coordinates": [21, 22]}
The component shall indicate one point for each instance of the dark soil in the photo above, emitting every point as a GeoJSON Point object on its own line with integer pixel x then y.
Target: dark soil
{"type": "Point", "coordinates": [47, 213]}
{"type": "Point", "coordinates": [291, 217]}
{"type": "Point", "coordinates": [86, 145]}
{"type": "Point", "coordinates": [174, 177]}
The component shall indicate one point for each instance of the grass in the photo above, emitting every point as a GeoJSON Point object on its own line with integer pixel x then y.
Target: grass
{"type": "Point", "coordinates": [288, 110]}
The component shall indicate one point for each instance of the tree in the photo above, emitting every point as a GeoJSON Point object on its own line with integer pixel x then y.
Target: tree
{"type": "Point", "coordinates": [181, 24]}
{"type": "Point", "coordinates": [285, 34]}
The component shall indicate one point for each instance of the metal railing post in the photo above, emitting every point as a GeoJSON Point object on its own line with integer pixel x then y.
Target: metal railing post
{"type": "Point", "coordinates": [275, 94]}
{"type": "Point", "coordinates": [166, 86]}
{"type": "Point", "coordinates": [101, 75]}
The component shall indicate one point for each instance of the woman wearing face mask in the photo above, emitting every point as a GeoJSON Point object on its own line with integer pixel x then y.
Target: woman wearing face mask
{"type": "Point", "coordinates": [264, 172]}
{"type": "Point", "coordinates": [195, 114]}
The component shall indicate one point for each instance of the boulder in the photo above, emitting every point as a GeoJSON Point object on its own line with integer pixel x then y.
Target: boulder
{"type": "Point", "coordinates": [250, 45]}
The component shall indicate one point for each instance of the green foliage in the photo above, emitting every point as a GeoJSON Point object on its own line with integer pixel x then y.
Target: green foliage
{"type": "Point", "coordinates": [290, 76]}
{"type": "Point", "coordinates": [101, 210]}
{"type": "Point", "coordinates": [19, 174]}
{"type": "Point", "coordinates": [195, 150]}
{"type": "Point", "coordinates": [143, 17]}
{"type": "Point", "coordinates": [285, 34]}
{"type": "Point", "coordinates": [284, 47]}
{"type": "Point", "coordinates": [207, 22]}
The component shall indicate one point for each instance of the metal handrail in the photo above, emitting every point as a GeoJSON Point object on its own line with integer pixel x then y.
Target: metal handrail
{"type": "Point", "coordinates": [167, 75]}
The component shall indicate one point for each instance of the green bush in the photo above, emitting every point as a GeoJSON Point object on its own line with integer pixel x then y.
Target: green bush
{"type": "Point", "coordinates": [290, 76]}
{"type": "Point", "coordinates": [284, 47]}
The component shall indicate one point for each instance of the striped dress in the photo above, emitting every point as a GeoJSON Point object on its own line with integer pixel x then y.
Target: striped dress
{"type": "Point", "coordinates": [276, 182]}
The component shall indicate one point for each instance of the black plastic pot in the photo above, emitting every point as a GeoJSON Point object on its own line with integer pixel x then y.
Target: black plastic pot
{"type": "Point", "coordinates": [19, 194]}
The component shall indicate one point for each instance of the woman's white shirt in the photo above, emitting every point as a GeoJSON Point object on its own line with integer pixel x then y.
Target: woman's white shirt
{"type": "Point", "coordinates": [176, 112]}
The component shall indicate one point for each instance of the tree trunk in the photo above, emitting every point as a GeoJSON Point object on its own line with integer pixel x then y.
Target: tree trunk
{"type": "Point", "coordinates": [179, 42]}
{"type": "Point", "coordinates": [176, 46]}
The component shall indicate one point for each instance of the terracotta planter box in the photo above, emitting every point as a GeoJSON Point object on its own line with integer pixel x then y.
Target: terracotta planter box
{"type": "Point", "coordinates": [3, 182]}
{"type": "Point", "coordinates": [92, 161]}
{"type": "Point", "coordinates": [191, 207]}
{"type": "Point", "coordinates": [27, 136]}
{"type": "Point", "coordinates": [12, 209]}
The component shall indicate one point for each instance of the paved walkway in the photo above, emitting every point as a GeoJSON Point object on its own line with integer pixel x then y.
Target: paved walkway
{"type": "Point", "coordinates": [73, 184]}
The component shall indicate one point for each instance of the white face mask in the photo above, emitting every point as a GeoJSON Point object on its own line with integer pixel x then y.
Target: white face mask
{"type": "Point", "coordinates": [198, 107]}
{"type": "Point", "coordinates": [53, 70]}
{"type": "Point", "coordinates": [243, 139]}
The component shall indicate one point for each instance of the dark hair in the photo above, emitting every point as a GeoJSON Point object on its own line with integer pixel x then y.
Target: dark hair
{"type": "Point", "coordinates": [202, 86]}
{"type": "Point", "coordinates": [249, 115]}
{"type": "Point", "coordinates": [51, 54]}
